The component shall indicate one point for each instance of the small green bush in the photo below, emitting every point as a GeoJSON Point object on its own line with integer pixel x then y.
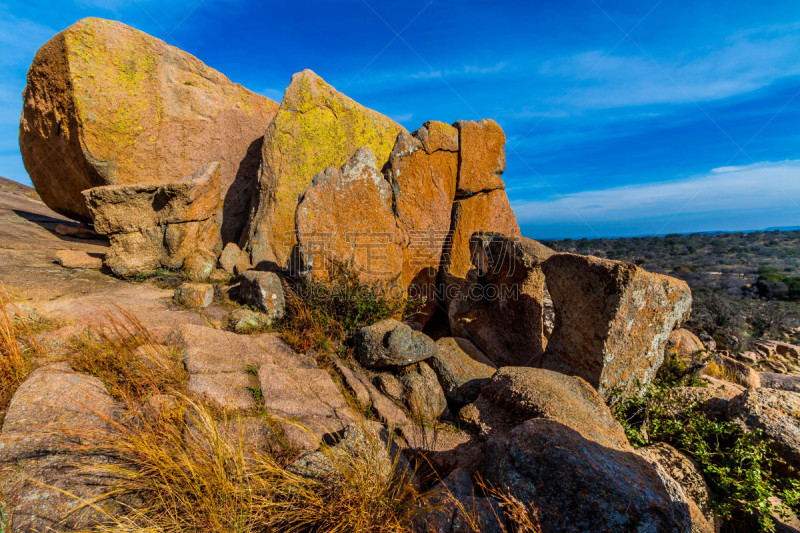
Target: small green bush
{"type": "Point", "coordinates": [736, 464]}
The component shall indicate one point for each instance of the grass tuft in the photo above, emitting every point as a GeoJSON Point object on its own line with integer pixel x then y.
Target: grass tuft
{"type": "Point", "coordinates": [17, 349]}
{"type": "Point", "coordinates": [203, 480]}
{"type": "Point", "coordinates": [126, 357]}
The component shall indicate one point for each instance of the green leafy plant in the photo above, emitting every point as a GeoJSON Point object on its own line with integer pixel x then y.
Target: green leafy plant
{"type": "Point", "coordinates": [5, 519]}
{"type": "Point", "coordinates": [736, 464]}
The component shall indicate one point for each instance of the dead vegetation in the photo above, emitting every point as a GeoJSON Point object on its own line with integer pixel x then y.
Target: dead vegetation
{"type": "Point", "coordinates": [17, 349]}
{"type": "Point", "coordinates": [178, 467]}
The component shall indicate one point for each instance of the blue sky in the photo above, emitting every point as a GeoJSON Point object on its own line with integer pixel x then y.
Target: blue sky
{"type": "Point", "coordinates": [622, 117]}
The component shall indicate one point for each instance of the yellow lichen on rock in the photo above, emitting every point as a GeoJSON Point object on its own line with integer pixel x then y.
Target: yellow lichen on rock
{"type": "Point", "coordinates": [107, 104]}
{"type": "Point", "coordinates": [316, 127]}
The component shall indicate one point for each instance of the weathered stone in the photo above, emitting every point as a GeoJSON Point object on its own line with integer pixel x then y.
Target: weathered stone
{"type": "Point", "coordinates": [345, 218]}
{"type": "Point", "coordinates": [369, 443]}
{"type": "Point", "coordinates": [116, 106]}
{"type": "Point", "coordinates": [685, 472]}
{"type": "Point", "coordinates": [736, 372]}
{"type": "Point", "coordinates": [516, 394]}
{"type": "Point", "coordinates": [352, 383]}
{"type": "Point", "coordinates": [483, 212]}
{"type": "Point", "coordinates": [392, 343]}
{"type": "Point", "coordinates": [228, 391]}
{"type": "Point", "coordinates": [505, 318]}
{"type": "Point", "coordinates": [209, 350]}
{"type": "Point", "coordinates": [455, 506]}
{"type": "Point", "coordinates": [750, 358]}
{"type": "Point", "coordinates": [712, 399]}
{"type": "Point", "coordinates": [263, 290]}
{"type": "Point", "coordinates": [776, 414]}
{"type": "Point", "coordinates": [423, 394]}
{"type": "Point", "coordinates": [78, 259]}
{"type": "Point", "coordinates": [316, 127]}
{"type": "Point", "coordinates": [482, 156]}
{"type": "Point", "coordinates": [53, 414]}
{"type": "Point", "coordinates": [151, 226]}
{"type": "Point", "coordinates": [462, 369]}
{"type": "Point", "coordinates": [576, 484]}
{"type": "Point", "coordinates": [199, 264]}
{"type": "Point", "coordinates": [230, 257]}
{"type": "Point", "coordinates": [772, 380]}
{"type": "Point", "coordinates": [613, 320]}
{"type": "Point", "coordinates": [306, 401]}
{"type": "Point", "coordinates": [389, 385]}
{"type": "Point", "coordinates": [774, 348]}
{"type": "Point", "coordinates": [684, 343]}
{"type": "Point", "coordinates": [246, 321]}
{"type": "Point", "coordinates": [423, 169]}
{"type": "Point", "coordinates": [198, 295]}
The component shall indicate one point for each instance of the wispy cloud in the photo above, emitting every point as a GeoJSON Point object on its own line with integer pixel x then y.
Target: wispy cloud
{"type": "Point", "coordinates": [747, 61]}
{"type": "Point", "coordinates": [757, 186]}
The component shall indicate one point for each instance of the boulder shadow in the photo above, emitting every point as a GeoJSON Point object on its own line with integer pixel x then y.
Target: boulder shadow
{"type": "Point", "coordinates": [241, 199]}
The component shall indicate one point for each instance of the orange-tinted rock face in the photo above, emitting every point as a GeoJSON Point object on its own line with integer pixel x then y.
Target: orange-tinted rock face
{"type": "Point", "coordinates": [613, 320]}
{"type": "Point", "coordinates": [345, 217]}
{"type": "Point", "coordinates": [107, 104]}
{"type": "Point", "coordinates": [483, 212]}
{"type": "Point", "coordinates": [423, 169]}
{"type": "Point", "coordinates": [483, 156]}
{"type": "Point", "coordinates": [316, 127]}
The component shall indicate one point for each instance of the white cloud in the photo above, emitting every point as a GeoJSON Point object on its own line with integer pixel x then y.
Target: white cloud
{"type": "Point", "coordinates": [763, 185]}
{"type": "Point", "coordinates": [402, 117]}
{"type": "Point", "coordinates": [747, 61]}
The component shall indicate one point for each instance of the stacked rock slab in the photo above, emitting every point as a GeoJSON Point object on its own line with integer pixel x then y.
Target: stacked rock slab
{"type": "Point", "coordinates": [345, 218]}
{"type": "Point", "coordinates": [106, 104]}
{"type": "Point", "coordinates": [316, 127]}
{"type": "Point", "coordinates": [423, 171]}
{"type": "Point", "coordinates": [151, 226]}
{"type": "Point", "coordinates": [613, 320]}
{"type": "Point", "coordinates": [481, 203]}
{"type": "Point", "coordinates": [504, 313]}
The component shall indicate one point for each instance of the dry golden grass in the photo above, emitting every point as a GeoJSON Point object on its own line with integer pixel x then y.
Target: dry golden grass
{"type": "Point", "coordinates": [17, 350]}
{"type": "Point", "coordinates": [126, 357]}
{"type": "Point", "coordinates": [204, 480]}
{"type": "Point", "coordinates": [721, 372]}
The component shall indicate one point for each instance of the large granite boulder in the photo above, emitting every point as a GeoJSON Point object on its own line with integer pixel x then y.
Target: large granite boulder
{"type": "Point", "coordinates": [483, 156]}
{"type": "Point", "coordinates": [106, 104]}
{"type": "Point", "coordinates": [517, 394]}
{"type": "Point", "coordinates": [613, 320]}
{"type": "Point", "coordinates": [151, 226]}
{"type": "Point", "coordinates": [46, 470]}
{"type": "Point", "coordinates": [577, 484]}
{"type": "Point", "coordinates": [315, 128]}
{"type": "Point", "coordinates": [345, 218]}
{"type": "Point", "coordinates": [423, 170]}
{"type": "Point", "coordinates": [506, 321]}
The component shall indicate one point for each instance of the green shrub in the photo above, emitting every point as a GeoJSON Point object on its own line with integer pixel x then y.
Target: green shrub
{"type": "Point", "coordinates": [736, 464]}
